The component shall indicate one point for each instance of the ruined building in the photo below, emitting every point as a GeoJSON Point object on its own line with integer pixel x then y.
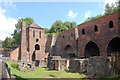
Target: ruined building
{"type": "Point", "coordinates": [32, 46]}
{"type": "Point", "coordinates": [99, 37]}
{"type": "Point", "coordinates": [92, 48]}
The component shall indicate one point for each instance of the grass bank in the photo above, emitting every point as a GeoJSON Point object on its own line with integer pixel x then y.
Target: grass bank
{"type": "Point", "coordinates": [42, 72]}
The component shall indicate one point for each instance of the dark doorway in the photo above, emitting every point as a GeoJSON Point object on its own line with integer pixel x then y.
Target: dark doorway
{"type": "Point", "coordinates": [113, 46]}
{"type": "Point", "coordinates": [111, 24]}
{"type": "Point", "coordinates": [91, 49]}
{"type": "Point", "coordinates": [113, 51]}
{"type": "Point", "coordinates": [37, 47]}
{"type": "Point", "coordinates": [83, 31]}
{"type": "Point", "coordinates": [95, 28]}
{"type": "Point", "coordinates": [33, 56]}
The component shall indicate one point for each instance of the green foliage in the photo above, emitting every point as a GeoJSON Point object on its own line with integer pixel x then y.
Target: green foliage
{"type": "Point", "coordinates": [70, 25]}
{"type": "Point", "coordinates": [42, 72]}
{"type": "Point", "coordinates": [108, 10]}
{"type": "Point", "coordinates": [59, 26]}
{"type": "Point", "coordinates": [28, 21]}
{"type": "Point", "coordinates": [92, 18]}
{"type": "Point", "coordinates": [15, 66]}
{"type": "Point", "coordinates": [17, 31]}
{"type": "Point", "coordinates": [46, 30]}
{"type": "Point", "coordinates": [0, 41]}
{"type": "Point", "coordinates": [10, 43]}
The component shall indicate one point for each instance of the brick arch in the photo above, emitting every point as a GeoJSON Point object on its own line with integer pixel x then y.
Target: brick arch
{"type": "Point", "coordinates": [68, 48]}
{"type": "Point", "coordinates": [68, 51]}
{"type": "Point", "coordinates": [113, 46]}
{"type": "Point", "coordinates": [37, 47]}
{"type": "Point", "coordinates": [35, 51]}
{"type": "Point", "coordinates": [91, 49]}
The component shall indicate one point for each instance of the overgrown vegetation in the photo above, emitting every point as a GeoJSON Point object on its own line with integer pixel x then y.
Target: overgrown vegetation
{"type": "Point", "coordinates": [42, 72]}
{"type": "Point", "coordinates": [15, 66]}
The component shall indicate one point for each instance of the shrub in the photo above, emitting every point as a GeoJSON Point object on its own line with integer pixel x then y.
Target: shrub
{"type": "Point", "coordinates": [15, 66]}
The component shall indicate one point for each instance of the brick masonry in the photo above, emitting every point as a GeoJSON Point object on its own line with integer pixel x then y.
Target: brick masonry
{"type": "Point", "coordinates": [72, 43]}
{"type": "Point", "coordinates": [14, 55]}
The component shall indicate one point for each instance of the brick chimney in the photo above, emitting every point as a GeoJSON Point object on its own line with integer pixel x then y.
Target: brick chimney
{"type": "Point", "coordinates": [23, 46]}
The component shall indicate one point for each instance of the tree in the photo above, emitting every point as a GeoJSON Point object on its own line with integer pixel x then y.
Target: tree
{"type": "Point", "coordinates": [70, 25]}
{"type": "Point", "coordinates": [8, 43]}
{"type": "Point", "coordinates": [57, 27]}
{"type": "Point", "coordinates": [0, 41]}
{"type": "Point", "coordinates": [28, 21]}
{"type": "Point", "coordinates": [108, 9]}
{"type": "Point", "coordinates": [17, 31]}
{"type": "Point", "coordinates": [46, 30]}
{"type": "Point", "coordinates": [118, 5]}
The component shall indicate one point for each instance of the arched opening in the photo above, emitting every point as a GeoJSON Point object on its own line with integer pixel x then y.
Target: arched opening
{"type": "Point", "coordinates": [68, 51]}
{"type": "Point", "coordinates": [113, 46]}
{"type": "Point", "coordinates": [37, 40]}
{"type": "Point", "coordinates": [71, 34]}
{"type": "Point", "coordinates": [37, 47]}
{"type": "Point", "coordinates": [33, 56]}
{"type": "Point", "coordinates": [83, 31]}
{"type": "Point", "coordinates": [95, 28]}
{"type": "Point", "coordinates": [111, 24]}
{"type": "Point", "coordinates": [91, 49]}
{"type": "Point", "coordinates": [63, 36]}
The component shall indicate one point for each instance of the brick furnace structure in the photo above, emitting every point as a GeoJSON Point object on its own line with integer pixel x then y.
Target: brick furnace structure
{"type": "Point", "coordinates": [32, 46]}
{"type": "Point", "coordinates": [99, 37]}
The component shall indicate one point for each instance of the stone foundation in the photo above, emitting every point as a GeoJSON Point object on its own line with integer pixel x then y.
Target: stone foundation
{"type": "Point", "coordinates": [96, 67]}
{"type": "Point", "coordinates": [78, 65]}
{"type": "Point", "coordinates": [99, 67]}
{"type": "Point", "coordinates": [58, 63]}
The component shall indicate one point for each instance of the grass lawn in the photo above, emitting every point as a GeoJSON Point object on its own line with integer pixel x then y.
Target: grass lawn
{"type": "Point", "coordinates": [42, 72]}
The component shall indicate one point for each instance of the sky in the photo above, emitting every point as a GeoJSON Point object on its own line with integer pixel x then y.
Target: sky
{"type": "Point", "coordinates": [46, 12]}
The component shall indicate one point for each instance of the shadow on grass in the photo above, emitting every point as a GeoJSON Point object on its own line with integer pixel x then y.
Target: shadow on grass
{"type": "Point", "coordinates": [44, 67]}
{"type": "Point", "coordinates": [70, 71]}
{"type": "Point", "coordinates": [18, 77]}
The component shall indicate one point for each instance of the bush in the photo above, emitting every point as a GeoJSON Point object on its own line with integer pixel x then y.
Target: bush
{"type": "Point", "coordinates": [15, 66]}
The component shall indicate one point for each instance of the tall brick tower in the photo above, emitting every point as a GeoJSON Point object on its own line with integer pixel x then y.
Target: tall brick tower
{"type": "Point", "coordinates": [23, 47]}
{"type": "Point", "coordinates": [36, 42]}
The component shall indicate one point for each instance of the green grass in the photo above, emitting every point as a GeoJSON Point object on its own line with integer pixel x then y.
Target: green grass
{"type": "Point", "coordinates": [113, 77]}
{"type": "Point", "coordinates": [42, 72]}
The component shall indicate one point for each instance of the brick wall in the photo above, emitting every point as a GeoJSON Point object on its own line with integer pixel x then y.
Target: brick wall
{"type": "Point", "coordinates": [102, 37]}
{"type": "Point", "coordinates": [14, 54]}
{"type": "Point", "coordinates": [36, 40]}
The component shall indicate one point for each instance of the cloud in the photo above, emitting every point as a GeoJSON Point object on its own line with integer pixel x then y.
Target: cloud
{"type": "Point", "coordinates": [7, 24]}
{"type": "Point", "coordinates": [110, 2]}
{"type": "Point", "coordinates": [88, 14]}
{"type": "Point", "coordinates": [8, 3]}
{"type": "Point", "coordinates": [11, 4]}
{"type": "Point", "coordinates": [71, 14]}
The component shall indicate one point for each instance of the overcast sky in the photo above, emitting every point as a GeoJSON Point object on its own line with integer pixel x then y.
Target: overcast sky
{"type": "Point", "coordinates": [46, 12]}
